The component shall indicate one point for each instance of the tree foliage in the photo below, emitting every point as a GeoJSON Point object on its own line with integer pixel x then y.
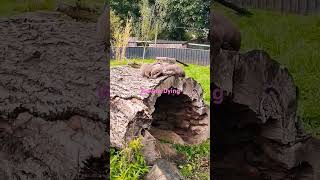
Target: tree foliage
{"type": "Point", "coordinates": [125, 8]}
{"type": "Point", "coordinates": [177, 18]}
{"type": "Point", "coordinates": [120, 34]}
{"type": "Point", "coordinates": [187, 16]}
{"type": "Point", "coordinates": [145, 25]}
{"type": "Point", "coordinates": [160, 11]}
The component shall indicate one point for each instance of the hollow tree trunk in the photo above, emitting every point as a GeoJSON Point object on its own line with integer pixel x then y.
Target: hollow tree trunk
{"type": "Point", "coordinates": [256, 129]}
{"type": "Point", "coordinates": [132, 110]}
{"type": "Point", "coordinates": [51, 119]}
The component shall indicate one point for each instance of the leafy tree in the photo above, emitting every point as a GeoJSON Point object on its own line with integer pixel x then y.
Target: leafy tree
{"type": "Point", "coordinates": [115, 33]}
{"type": "Point", "coordinates": [186, 15]}
{"type": "Point", "coordinates": [120, 33]}
{"type": "Point", "coordinates": [171, 19]}
{"type": "Point", "coordinates": [125, 8]}
{"type": "Point", "coordinates": [160, 11]}
{"type": "Point", "coordinates": [126, 33]}
{"type": "Point", "coordinates": [145, 28]}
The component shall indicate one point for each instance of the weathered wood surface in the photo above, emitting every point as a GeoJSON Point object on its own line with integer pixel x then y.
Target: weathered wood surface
{"type": "Point", "coordinates": [131, 110]}
{"type": "Point", "coordinates": [51, 117]}
{"type": "Point", "coordinates": [257, 133]}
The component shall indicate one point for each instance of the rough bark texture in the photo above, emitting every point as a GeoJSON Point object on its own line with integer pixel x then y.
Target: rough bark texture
{"type": "Point", "coordinates": [52, 119]}
{"type": "Point", "coordinates": [257, 134]}
{"type": "Point", "coordinates": [130, 110]}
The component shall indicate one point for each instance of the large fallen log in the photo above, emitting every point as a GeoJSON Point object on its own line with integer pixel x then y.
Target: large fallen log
{"type": "Point", "coordinates": [257, 133]}
{"type": "Point", "coordinates": [132, 108]}
{"type": "Point", "coordinates": [52, 122]}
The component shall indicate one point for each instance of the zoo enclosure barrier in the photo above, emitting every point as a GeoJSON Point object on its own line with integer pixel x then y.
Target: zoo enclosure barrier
{"type": "Point", "coordinates": [186, 55]}
{"type": "Point", "coordinates": [292, 6]}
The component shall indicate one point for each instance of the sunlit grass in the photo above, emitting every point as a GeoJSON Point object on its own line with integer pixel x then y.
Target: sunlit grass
{"type": "Point", "coordinates": [125, 62]}
{"type": "Point", "coordinates": [195, 155]}
{"type": "Point", "coordinates": [34, 5]}
{"type": "Point", "coordinates": [128, 163]}
{"type": "Point", "coordinates": [7, 7]}
{"type": "Point", "coordinates": [13, 7]}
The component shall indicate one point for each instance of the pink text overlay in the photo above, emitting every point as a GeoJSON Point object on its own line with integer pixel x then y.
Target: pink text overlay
{"type": "Point", "coordinates": [160, 91]}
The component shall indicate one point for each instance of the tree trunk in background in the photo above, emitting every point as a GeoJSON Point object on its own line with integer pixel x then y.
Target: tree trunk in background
{"type": "Point", "coordinates": [156, 36]}
{"type": "Point", "coordinates": [144, 51]}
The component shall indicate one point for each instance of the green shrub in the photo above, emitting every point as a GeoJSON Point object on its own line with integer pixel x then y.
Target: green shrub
{"type": "Point", "coordinates": [186, 170]}
{"type": "Point", "coordinates": [197, 166]}
{"type": "Point", "coordinates": [128, 163]}
{"type": "Point", "coordinates": [194, 151]}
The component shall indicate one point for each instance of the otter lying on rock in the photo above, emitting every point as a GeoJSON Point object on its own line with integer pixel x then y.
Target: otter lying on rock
{"type": "Point", "coordinates": [158, 69]}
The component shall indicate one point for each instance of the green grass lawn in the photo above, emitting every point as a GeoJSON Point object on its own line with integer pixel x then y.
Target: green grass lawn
{"type": "Point", "coordinates": [198, 158]}
{"type": "Point", "coordinates": [200, 73]}
{"type": "Point", "coordinates": [294, 41]}
{"type": "Point", "coordinates": [13, 7]}
{"type": "Point", "coordinates": [128, 163]}
{"type": "Point", "coordinates": [7, 7]}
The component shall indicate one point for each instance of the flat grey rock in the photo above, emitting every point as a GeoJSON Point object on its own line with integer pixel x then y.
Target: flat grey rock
{"type": "Point", "coordinates": [164, 170]}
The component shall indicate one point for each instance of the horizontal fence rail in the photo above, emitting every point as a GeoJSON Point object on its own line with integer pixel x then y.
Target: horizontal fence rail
{"type": "Point", "coordinates": [186, 55]}
{"type": "Point", "coordinates": [293, 6]}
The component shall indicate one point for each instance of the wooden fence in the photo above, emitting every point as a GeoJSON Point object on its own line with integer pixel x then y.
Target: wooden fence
{"type": "Point", "coordinates": [292, 6]}
{"type": "Point", "coordinates": [191, 56]}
